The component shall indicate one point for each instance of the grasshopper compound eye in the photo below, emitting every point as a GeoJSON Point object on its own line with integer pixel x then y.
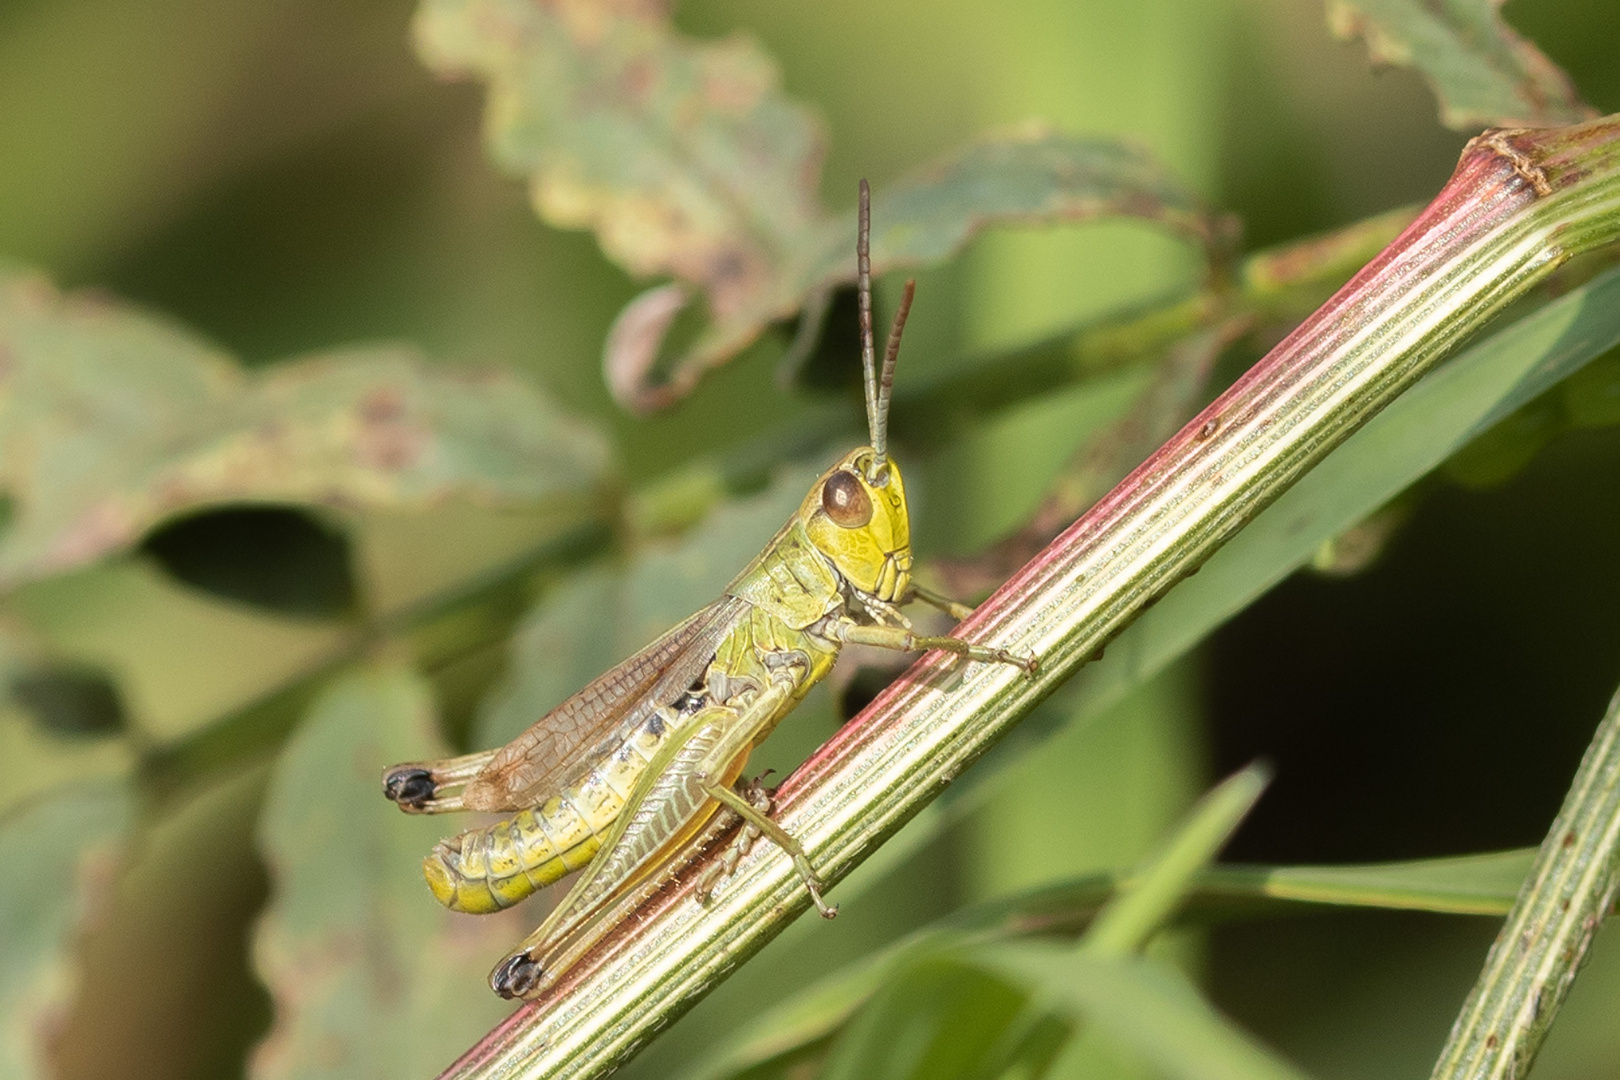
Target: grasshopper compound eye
{"type": "Point", "coordinates": [846, 501]}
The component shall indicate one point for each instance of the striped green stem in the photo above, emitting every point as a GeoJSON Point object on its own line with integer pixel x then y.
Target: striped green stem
{"type": "Point", "coordinates": [1542, 944]}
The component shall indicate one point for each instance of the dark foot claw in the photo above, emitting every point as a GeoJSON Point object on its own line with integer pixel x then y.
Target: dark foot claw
{"type": "Point", "coordinates": [516, 976]}
{"type": "Point", "coordinates": [410, 787]}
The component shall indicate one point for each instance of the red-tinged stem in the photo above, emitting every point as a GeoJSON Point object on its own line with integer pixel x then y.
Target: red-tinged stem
{"type": "Point", "coordinates": [1519, 204]}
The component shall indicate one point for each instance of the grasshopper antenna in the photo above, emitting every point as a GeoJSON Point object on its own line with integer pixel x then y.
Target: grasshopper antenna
{"type": "Point", "coordinates": [879, 385]}
{"type": "Point", "coordinates": [863, 286]}
{"type": "Point", "coordinates": [885, 387]}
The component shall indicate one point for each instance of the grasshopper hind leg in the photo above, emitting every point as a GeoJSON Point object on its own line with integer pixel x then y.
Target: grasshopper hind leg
{"type": "Point", "coordinates": [420, 787]}
{"type": "Point", "coordinates": [518, 976]}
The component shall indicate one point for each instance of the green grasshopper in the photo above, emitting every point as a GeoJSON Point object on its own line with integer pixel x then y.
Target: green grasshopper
{"type": "Point", "coordinates": [622, 776]}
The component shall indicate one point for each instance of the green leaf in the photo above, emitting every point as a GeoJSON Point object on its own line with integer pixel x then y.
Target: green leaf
{"type": "Point", "coordinates": [1033, 175]}
{"type": "Point", "coordinates": [931, 1019]}
{"type": "Point", "coordinates": [370, 976]}
{"type": "Point", "coordinates": [926, 1019]}
{"type": "Point", "coordinates": [1130, 920]}
{"type": "Point", "coordinates": [1483, 884]}
{"type": "Point", "coordinates": [688, 161]}
{"type": "Point", "coordinates": [38, 760]}
{"type": "Point", "coordinates": [115, 421]}
{"type": "Point", "coordinates": [1139, 1004]}
{"type": "Point", "coordinates": [57, 857]}
{"type": "Point", "coordinates": [599, 617]}
{"type": "Point", "coordinates": [1484, 74]}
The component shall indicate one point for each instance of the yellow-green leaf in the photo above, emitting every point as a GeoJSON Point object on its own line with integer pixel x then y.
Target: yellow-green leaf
{"type": "Point", "coordinates": [57, 856]}
{"type": "Point", "coordinates": [112, 420]}
{"type": "Point", "coordinates": [370, 976]}
{"type": "Point", "coordinates": [1484, 74]}
{"type": "Point", "coordinates": [689, 162]}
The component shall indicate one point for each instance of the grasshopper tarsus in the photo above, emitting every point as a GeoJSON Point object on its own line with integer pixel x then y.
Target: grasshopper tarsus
{"type": "Point", "coordinates": [410, 786]}
{"type": "Point", "coordinates": [813, 885]}
{"type": "Point", "coordinates": [517, 976]}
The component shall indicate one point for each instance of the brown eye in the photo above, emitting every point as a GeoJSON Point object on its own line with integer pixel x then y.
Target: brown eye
{"type": "Point", "coordinates": [845, 501]}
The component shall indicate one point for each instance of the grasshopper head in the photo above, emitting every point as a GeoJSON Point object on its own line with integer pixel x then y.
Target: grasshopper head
{"type": "Point", "coordinates": [856, 513]}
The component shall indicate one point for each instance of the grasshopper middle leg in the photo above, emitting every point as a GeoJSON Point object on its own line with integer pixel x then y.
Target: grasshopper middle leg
{"type": "Point", "coordinates": [902, 640]}
{"type": "Point", "coordinates": [756, 819]}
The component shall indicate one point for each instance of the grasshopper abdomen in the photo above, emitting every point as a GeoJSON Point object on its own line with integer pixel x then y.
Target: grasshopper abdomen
{"type": "Point", "coordinates": [491, 868]}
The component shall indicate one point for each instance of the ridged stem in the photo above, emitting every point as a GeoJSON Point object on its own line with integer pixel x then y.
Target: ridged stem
{"type": "Point", "coordinates": [1542, 944]}
{"type": "Point", "coordinates": [1519, 204]}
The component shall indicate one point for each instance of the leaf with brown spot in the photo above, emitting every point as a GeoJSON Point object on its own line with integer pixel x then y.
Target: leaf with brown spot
{"type": "Point", "coordinates": [370, 976]}
{"type": "Point", "coordinates": [57, 856]}
{"type": "Point", "coordinates": [1484, 74]}
{"type": "Point", "coordinates": [112, 420]}
{"type": "Point", "coordinates": [689, 162]}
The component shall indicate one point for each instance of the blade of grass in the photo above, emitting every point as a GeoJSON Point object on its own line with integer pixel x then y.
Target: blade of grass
{"type": "Point", "coordinates": [1482, 884]}
{"type": "Point", "coordinates": [1141, 1005]}
{"type": "Point", "coordinates": [1123, 927]}
{"type": "Point", "coordinates": [1143, 905]}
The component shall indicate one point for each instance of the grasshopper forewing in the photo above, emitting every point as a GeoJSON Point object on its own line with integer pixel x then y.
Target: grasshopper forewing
{"type": "Point", "coordinates": [619, 778]}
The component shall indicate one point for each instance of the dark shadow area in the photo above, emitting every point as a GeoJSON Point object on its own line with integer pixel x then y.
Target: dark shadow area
{"type": "Point", "coordinates": [71, 700]}
{"type": "Point", "coordinates": [268, 556]}
{"type": "Point", "coordinates": [1438, 703]}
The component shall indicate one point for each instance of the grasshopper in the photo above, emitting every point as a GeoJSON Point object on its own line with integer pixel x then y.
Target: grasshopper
{"type": "Point", "coordinates": [619, 778]}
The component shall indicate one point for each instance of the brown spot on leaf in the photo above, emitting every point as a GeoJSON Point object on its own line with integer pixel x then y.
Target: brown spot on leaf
{"type": "Point", "coordinates": [384, 404]}
{"type": "Point", "coordinates": [638, 79]}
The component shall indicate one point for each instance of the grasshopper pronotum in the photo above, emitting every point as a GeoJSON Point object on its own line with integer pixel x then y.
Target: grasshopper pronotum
{"type": "Point", "coordinates": [619, 777]}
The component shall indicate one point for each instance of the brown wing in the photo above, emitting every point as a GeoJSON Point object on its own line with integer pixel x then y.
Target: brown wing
{"type": "Point", "coordinates": [533, 766]}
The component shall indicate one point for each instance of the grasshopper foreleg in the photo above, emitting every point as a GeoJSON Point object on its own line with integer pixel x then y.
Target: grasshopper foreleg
{"type": "Point", "coordinates": [955, 609]}
{"type": "Point", "coordinates": [419, 786]}
{"type": "Point", "coordinates": [902, 640]}
{"type": "Point", "coordinates": [756, 817]}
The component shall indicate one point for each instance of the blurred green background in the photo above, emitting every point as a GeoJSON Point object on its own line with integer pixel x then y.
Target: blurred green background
{"type": "Point", "coordinates": [284, 176]}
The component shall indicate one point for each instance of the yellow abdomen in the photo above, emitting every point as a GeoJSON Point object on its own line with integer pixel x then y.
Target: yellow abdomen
{"type": "Point", "coordinates": [488, 869]}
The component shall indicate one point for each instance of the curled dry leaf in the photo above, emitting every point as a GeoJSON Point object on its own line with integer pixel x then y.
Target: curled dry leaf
{"type": "Point", "coordinates": [1484, 74]}
{"type": "Point", "coordinates": [688, 161]}
{"type": "Point", "coordinates": [1030, 176]}
{"type": "Point", "coordinates": [112, 420]}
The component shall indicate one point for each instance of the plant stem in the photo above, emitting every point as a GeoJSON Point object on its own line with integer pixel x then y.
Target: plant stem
{"type": "Point", "coordinates": [1542, 944]}
{"type": "Point", "coordinates": [1519, 205]}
